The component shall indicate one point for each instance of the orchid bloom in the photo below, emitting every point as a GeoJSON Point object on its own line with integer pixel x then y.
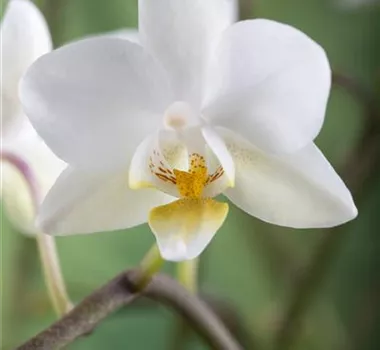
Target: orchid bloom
{"type": "Point", "coordinates": [201, 106]}
{"type": "Point", "coordinates": [24, 38]}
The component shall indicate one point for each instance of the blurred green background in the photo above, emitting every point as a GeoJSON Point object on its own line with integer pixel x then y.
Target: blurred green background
{"type": "Point", "coordinates": [255, 271]}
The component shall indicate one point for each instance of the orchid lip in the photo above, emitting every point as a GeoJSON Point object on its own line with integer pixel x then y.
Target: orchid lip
{"type": "Point", "coordinates": [194, 218]}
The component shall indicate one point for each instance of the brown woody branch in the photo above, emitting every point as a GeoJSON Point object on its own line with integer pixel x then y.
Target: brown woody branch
{"type": "Point", "coordinates": [121, 291]}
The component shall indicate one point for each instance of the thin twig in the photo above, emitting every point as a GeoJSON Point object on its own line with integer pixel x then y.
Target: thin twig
{"type": "Point", "coordinates": [227, 313]}
{"type": "Point", "coordinates": [121, 291]}
{"type": "Point", "coordinates": [358, 174]}
{"type": "Point", "coordinates": [194, 310]}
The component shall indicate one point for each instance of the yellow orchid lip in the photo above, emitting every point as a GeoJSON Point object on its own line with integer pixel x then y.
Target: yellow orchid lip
{"type": "Point", "coordinates": [185, 226]}
{"type": "Point", "coordinates": [185, 167]}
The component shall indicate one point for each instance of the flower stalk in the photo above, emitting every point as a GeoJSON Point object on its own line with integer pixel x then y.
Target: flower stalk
{"type": "Point", "coordinates": [187, 272]}
{"type": "Point", "coordinates": [46, 244]}
{"type": "Point", "coordinates": [149, 266]}
{"type": "Point", "coordinates": [52, 274]}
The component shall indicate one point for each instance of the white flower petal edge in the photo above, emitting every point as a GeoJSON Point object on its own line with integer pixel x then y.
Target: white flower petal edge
{"type": "Point", "coordinates": [82, 202]}
{"type": "Point", "coordinates": [149, 166]}
{"type": "Point", "coordinates": [130, 34]}
{"type": "Point", "coordinates": [182, 35]}
{"type": "Point", "coordinates": [94, 100]}
{"type": "Point", "coordinates": [270, 83]}
{"type": "Point", "coordinates": [301, 190]}
{"type": "Point", "coordinates": [24, 38]}
{"type": "Point", "coordinates": [218, 147]}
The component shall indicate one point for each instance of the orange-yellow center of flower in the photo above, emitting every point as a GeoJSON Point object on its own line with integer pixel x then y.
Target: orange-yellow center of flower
{"type": "Point", "coordinates": [190, 184]}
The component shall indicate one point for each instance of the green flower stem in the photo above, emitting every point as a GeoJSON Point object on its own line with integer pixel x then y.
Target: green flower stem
{"type": "Point", "coordinates": [52, 274]}
{"type": "Point", "coordinates": [149, 266]}
{"type": "Point", "coordinates": [188, 274]}
{"type": "Point", "coordinates": [46, 244]}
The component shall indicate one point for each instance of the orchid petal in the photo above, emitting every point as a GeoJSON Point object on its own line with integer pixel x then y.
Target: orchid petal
{"type": "Point", "coordinates": [270, 83]}
{"type": "Point", "coordinates": [218, 147]}
{"type": "Point", "coordinates": [93, 101]}
{"type": "Point", "coordinates": [130, 34]}
{"type": "Point", "coordinates": [82, 202]}
{"type": "Point", "coordinates": [24, 37]}
{"type": "Point", "coordinates": [154, 160]}
{"type": "Point", "coordinates": [301, 190]}
{"type": "Point", "coordinates": [182, 34]}
{"type": "Point", "coordinates": [184, 228]}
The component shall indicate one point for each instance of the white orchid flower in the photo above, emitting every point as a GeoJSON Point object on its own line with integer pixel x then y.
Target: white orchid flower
{"type": "Point", "coordinates": [153, 132]}
{"type": "Point", "coordinates": [24, 38]}
{"type": "Point", "coordinates": [28, 167]}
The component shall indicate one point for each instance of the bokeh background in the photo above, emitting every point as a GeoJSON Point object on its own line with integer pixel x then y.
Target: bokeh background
{"type": "Point", "coordinates": [276, 288]}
